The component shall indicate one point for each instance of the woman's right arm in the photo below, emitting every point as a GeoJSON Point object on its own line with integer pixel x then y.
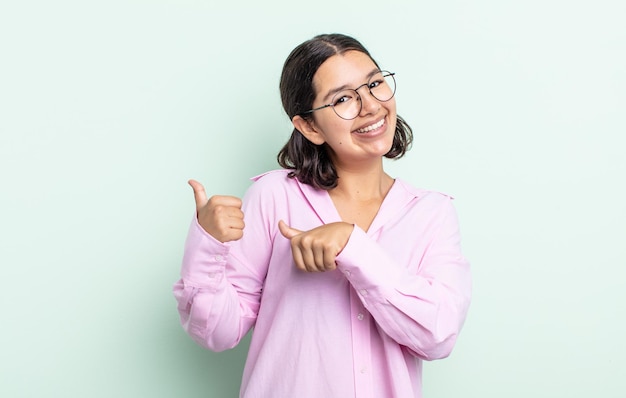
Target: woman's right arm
{"type": "Point", "coordinates": [218, 294]}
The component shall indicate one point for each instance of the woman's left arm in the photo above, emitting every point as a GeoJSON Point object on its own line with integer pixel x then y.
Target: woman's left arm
{"type": "Point", "coordinates": [423, 310]}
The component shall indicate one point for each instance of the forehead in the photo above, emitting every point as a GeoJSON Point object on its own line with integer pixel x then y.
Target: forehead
{"type": "Point", "coordinates": [348, 69]}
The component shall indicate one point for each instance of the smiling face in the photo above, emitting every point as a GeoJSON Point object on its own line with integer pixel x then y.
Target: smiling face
{"type": "Point", "coordinates": [370, 135]}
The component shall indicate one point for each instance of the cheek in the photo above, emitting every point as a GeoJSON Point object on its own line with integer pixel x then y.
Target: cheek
{"type": "Point", "coordinates": [336, 128]}
{"type": "Point", "coordinates": [393, 124]}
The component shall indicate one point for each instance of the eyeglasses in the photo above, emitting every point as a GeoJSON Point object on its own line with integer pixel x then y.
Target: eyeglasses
{"type": "Point", "coordinates": [347, 103]}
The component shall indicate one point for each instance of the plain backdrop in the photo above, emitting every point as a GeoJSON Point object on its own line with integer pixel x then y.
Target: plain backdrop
{"type": "Point", "coordinates": [108, 108]}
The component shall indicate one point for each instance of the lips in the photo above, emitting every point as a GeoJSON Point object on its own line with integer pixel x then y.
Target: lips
{"type": "Point", "coordinates": [371, 127]}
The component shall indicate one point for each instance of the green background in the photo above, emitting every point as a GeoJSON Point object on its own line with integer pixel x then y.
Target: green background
{"type": "Point", "coordinates": [108, 108]}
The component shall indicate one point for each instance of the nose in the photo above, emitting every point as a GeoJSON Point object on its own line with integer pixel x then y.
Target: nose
{"type": "Point", "coordinates": [369, 104]}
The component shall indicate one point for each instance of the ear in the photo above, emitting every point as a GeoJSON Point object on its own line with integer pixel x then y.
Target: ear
{"type": "Point", "coordinates": [308, 129]}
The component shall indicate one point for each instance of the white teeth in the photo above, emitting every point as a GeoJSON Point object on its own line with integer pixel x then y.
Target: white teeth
{"type": "Point", "coordinates": [372, 127]}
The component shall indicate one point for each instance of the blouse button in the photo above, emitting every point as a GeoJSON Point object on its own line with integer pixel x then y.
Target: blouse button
{"type": "Point", "coordinates": [360, 317]}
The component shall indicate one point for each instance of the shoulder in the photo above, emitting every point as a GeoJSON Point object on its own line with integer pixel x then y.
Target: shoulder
{"type": "Point", "coordinates": [422, 193]}
{"type": "Point", "coordinates": [272, 184]}
{"type": "Point", "coordinates": [427, 204]}
{"type": "Point", "coordinates": [273, 180]}
{"type": "Point", "coordinates": [278, 176]}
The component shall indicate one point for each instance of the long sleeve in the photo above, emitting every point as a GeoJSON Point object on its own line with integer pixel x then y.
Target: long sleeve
{"type": "Point", "coordinates": [421, 306]}
{"type": "Point", "coordinates": [219, 291]}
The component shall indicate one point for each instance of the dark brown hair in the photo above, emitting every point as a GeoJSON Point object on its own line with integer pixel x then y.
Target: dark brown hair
{"type": "Point", "coordinates": [310, 163]}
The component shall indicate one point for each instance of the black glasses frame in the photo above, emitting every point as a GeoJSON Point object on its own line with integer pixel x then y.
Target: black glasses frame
{"type": "Point", "coordinates": [356, 90]}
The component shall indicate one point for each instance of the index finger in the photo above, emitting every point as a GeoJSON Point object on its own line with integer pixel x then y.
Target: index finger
{"type": "Point", "coordinates": [225, 200]}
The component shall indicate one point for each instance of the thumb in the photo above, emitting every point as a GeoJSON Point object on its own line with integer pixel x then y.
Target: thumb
{"type": "Point", "coordinates": [287, 231]}
{"type": "Point", "coordinates": [199, 194]}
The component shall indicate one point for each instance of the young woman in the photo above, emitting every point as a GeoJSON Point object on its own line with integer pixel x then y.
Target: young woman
{"type": "Point", "coordinates": [349, 277]}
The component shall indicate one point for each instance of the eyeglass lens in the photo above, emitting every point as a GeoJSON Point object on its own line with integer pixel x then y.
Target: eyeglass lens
{"type": "Point", "coordinates": [347, 104]}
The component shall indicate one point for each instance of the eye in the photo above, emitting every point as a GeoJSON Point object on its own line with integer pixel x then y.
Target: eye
{"type": "Point", "coordinates": [376, 83]}
{"type": "Point", "coordinates": [343, 98]}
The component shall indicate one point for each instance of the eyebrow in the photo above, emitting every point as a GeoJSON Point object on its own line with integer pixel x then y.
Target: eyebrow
{"type": "Point", "coordinates": [334, 91]}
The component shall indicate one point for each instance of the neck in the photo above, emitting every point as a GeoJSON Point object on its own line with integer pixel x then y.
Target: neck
{"type": "Point", "coordinates": [363, 184]}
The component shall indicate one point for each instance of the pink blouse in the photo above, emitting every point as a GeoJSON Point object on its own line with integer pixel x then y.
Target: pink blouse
{"type": "Point", "coordinates": [400, 294]}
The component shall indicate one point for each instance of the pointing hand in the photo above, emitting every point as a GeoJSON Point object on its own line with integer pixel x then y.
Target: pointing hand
{"type": "Point", "coordinates": [316, 250]}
